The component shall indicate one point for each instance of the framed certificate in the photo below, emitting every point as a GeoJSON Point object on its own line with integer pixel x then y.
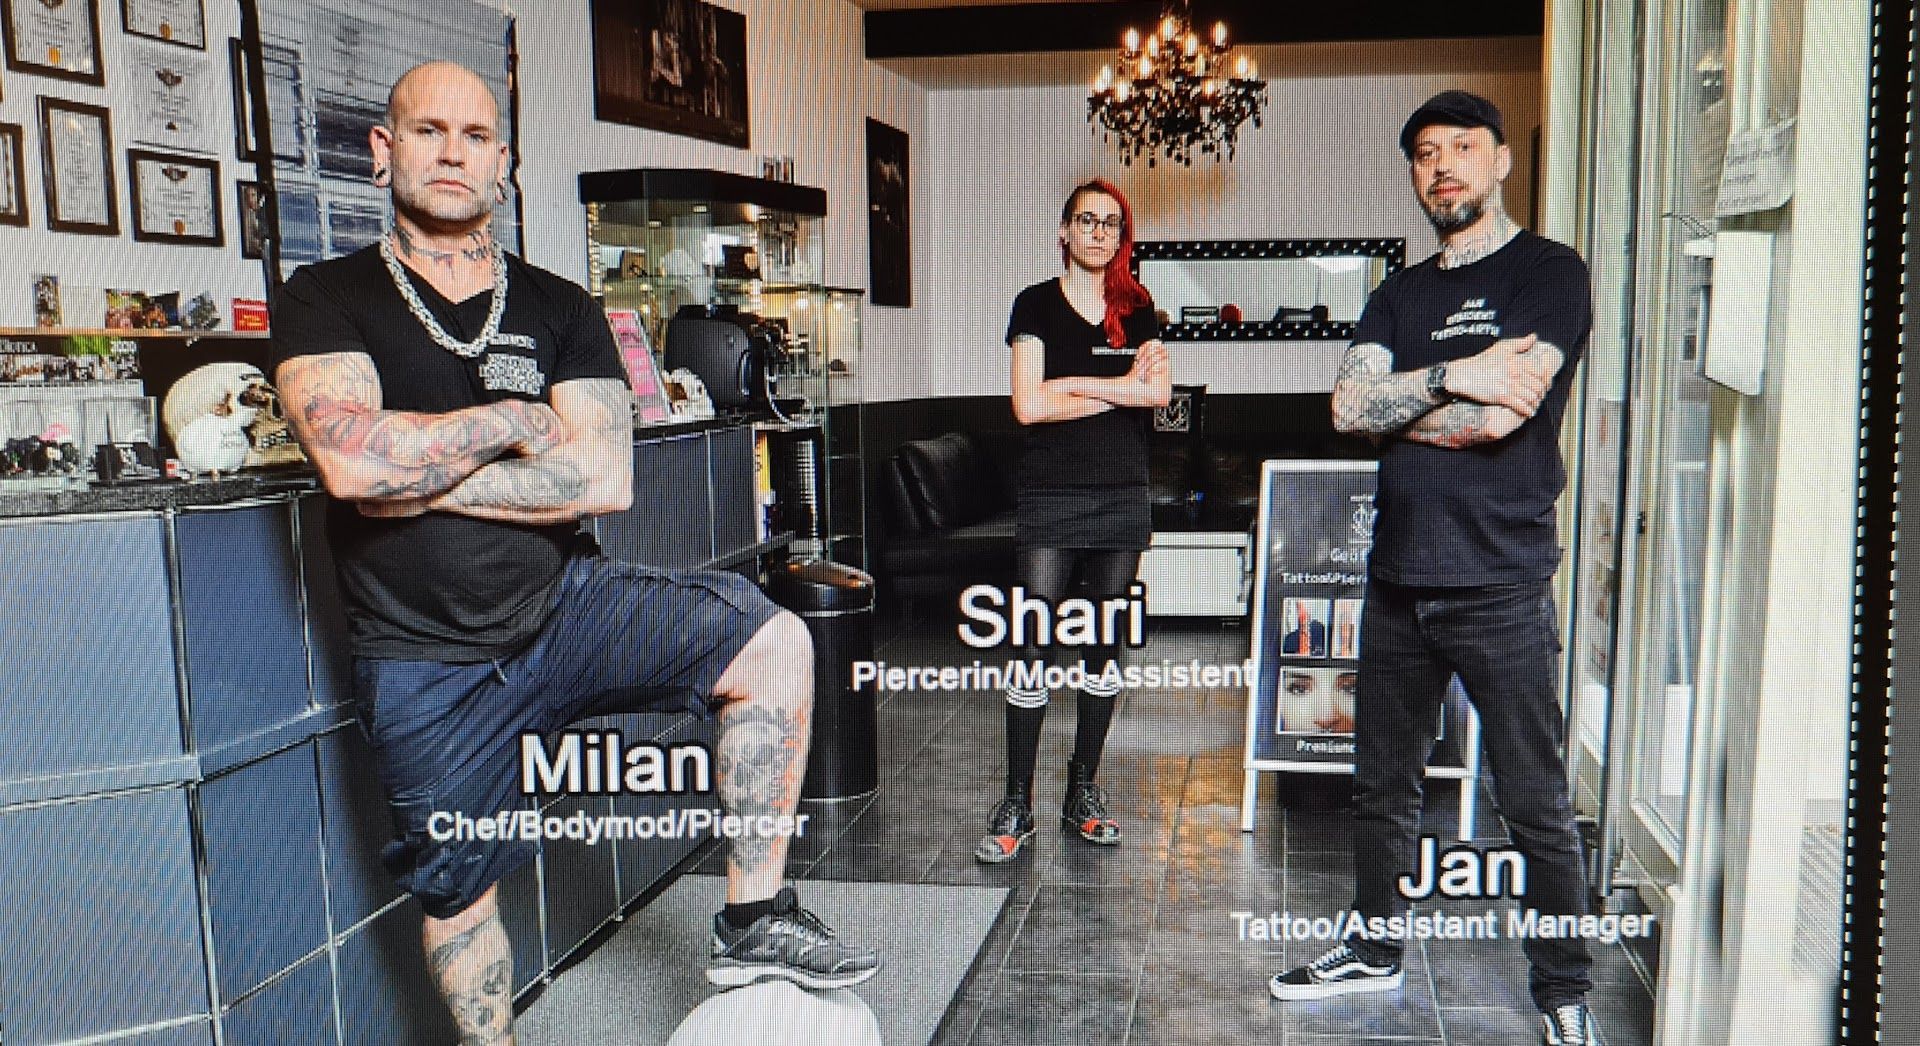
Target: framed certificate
{"type": "Point", "coordinates": [176, 199]}
{"type": "Point", "coordinates": [76, 167]}
{"type": "Point", "coordinates": [60, 39]}
{"type": "Point", "coordinates": [182, 22]}
{"type": "Point", "coordinates": [13, 177]}
{"type": "Point", "coordinates": [169, 94]}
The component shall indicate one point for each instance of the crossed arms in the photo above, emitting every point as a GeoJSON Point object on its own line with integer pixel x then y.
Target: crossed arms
{"type": "Point", "coordinates": [513, 461]}
{"type": "Point", "coordinates": [1037, 398]}
{"type": "Point", "coordinates": [1498, 389]}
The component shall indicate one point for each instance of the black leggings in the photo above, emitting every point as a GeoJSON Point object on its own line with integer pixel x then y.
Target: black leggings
{"type": "Point", "coordinates": [1063, 573]}
{"type": "Point", "coordinates": [1056, 574]}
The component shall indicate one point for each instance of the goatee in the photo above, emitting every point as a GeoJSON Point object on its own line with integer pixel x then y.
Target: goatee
{"type": "Point", "coordinates": [1449, 220]}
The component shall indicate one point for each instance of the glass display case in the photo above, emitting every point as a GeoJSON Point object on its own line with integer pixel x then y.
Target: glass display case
{"type": "Point", "coordinates": [695, 244]}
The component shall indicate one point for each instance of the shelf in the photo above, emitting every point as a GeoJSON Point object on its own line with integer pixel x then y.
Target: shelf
{"type": "Point", "coordinates": [120, 333]}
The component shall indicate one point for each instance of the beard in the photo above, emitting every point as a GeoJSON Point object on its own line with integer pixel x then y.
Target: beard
{"type": "Point", "coordinates": [1448, 219]}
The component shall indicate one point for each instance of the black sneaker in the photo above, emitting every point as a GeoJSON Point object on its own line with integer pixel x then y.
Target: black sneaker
{"type": "Point", "coordinates": [1339, 972]}
{"type": "Point", "coordinates": [1085, 809]}
{"type": "Point", "coordinates": [1569, 1025]}
{"type": "Point", "coordinates": [1008, 831]}
{"type": "Point", "coordinates": [790, 943]}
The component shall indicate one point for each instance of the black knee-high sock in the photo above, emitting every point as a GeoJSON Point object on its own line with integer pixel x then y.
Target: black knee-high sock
{"type": "Point", "coordinates": [1023, 745]}
{"type": "Point", "coordinates": [1090, 732]}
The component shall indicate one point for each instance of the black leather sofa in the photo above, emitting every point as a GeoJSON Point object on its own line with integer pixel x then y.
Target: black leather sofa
{"type": "Point", "coordinates": [950, 515]}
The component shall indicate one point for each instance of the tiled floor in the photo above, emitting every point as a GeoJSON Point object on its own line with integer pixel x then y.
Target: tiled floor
{"type": "Point", "coordinates": [1137, 945]}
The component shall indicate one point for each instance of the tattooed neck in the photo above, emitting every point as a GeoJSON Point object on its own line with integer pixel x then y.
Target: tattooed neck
{"type": "Point", "coordinates": [1454, 254]}
{"type": "Point", "coordinates": [478, 248]}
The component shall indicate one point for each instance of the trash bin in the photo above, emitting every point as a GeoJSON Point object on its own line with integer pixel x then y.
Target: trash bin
{"type": "Point", "coordinates": [836, 602]}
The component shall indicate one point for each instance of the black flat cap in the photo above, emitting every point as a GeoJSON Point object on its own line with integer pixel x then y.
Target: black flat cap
{"type": "Point", "coordinates": [1452, 109]}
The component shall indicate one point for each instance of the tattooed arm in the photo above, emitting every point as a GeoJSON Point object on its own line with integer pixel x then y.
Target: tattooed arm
{"type": "Point", "coordinates": [367, 454]}
{"type": "Point", "coordinates": [590, 472]}
{"type": "Point", "coordinates": [1467, 424]}
{"type": "Point", "coordinates": [1371, 399]}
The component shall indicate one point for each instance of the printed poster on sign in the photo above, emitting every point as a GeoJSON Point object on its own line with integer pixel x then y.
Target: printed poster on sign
{"type": "Point", "coordinates": [1316, 531]}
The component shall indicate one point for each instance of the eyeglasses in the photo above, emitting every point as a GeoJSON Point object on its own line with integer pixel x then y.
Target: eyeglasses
{"type": "Point", "coordinates": [1087, 222]}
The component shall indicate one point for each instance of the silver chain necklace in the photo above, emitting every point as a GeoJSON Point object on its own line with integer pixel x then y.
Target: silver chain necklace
{"type": "Point", "coordinates": [495, 310]}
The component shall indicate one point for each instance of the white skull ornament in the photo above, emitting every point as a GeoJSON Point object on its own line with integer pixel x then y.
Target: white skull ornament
{"type": "Point", "coordinates": [222, 416]}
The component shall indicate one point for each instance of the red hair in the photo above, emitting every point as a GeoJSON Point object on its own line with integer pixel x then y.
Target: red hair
{"type": "Point", "coordinates": [1123, 293]}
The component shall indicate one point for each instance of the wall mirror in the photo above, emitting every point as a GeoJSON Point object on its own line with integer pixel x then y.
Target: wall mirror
{"type": "Point", "coordinates": [1263, 290]}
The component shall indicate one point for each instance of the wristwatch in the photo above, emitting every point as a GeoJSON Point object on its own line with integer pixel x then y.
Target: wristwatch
{"type": "Point", "coordinates": [1437, 383]}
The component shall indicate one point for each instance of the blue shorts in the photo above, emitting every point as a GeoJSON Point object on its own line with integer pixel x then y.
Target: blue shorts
{"type": "Point", "coordinates": [446, 737]}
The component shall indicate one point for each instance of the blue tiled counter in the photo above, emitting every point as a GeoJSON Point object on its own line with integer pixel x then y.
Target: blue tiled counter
{"type": "Point", "coordinates": [190, 823]}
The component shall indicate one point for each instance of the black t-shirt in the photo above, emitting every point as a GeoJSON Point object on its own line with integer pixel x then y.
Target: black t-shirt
{"type": "Point", "coordinates": [1107, 449]}
{"type": "Point", "coordinates": [441, 586]}
{"type": "Point", "coordinates": [1480, 515]}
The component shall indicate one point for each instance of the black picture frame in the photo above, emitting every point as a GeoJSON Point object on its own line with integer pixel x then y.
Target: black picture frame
{"type": "Point", "coordinates": [12, 141]}
{"type": "Point", "coordinates": [144, 234]}
{"type": "Point", "coordinates": [95, 76]}
{"type": "Point", "coordinates": [1296, 325]}
{"type": "Point", "coordinates": [164, 36]}
{"type": "Point", "coordinates": [49, 172]}
{"type": "Point", "coordinates": [244, 147]}
{"type": "Point", "coordinates": [889, 217]}
{"type": "Point", "coordinates": [250, 203]}
{"type": "Point", "coordinates": [678, 66]}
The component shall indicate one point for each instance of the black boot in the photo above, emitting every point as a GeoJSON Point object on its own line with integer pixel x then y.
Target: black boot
{"type": "Point", "coordinates": [1009, 826]}
{"type": "Point", "coordinates": [1085, 810]}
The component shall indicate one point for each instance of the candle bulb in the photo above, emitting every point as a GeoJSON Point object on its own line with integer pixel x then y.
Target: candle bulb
{"type": "Point", "coordinates": [1240, 67]}
{"type": "Point", "coordinates": [1153, 46]}
{"type": "Point", "coordinates": [1219, 35]}
{"type": "Point", "coordinates": [1132, 41]}
{"type": "Point", "coordinates": [1120, 91]}
{"type": "Point", "coordinates": [1167, 28]}
{"type": "Point", "coordinates": [1106, 78]}
{"type": "Point", "coordinates": [1192, 46]}
{"type": "Point", "coordinates": [1146, 67]}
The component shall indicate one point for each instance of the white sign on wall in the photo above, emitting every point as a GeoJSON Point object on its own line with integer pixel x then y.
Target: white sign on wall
{"type": "Point", "coordinates": [1757, 174]}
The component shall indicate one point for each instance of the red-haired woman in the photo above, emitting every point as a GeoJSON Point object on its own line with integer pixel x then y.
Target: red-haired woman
{"type": "Point", "coordinates": [1088, 368]}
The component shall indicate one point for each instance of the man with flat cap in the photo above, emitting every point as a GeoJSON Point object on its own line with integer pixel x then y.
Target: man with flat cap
{"type": "Point", "coordinates": [1459, 371]}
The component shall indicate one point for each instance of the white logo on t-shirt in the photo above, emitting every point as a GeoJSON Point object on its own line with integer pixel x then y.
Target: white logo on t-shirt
{"type": "Point", "coordinates": [1473, 318]}
{"type": "Point", "coordinates": [507, 373]}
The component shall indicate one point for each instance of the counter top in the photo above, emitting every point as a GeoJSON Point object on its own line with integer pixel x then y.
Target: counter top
{"type": "Point", "coordinates": [151, 497]}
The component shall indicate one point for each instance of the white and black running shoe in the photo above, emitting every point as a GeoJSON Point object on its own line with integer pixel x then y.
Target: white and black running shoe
{"type": "Point", "coordinates": [1339, 972]}
{"type": "Point", "coordinates": [791, 943]}
{"type": "Point", "coordinates": [1569, 1025]}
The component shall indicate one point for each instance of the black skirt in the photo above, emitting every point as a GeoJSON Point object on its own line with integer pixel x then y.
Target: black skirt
{"type": "Point", "coordinates": [1083, 517]}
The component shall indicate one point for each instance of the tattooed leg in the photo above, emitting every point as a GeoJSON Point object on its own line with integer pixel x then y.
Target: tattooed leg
{"type": "Point", "coordinates": [762, 754]}
{"type": "Point", "coordinates": [472, 965]}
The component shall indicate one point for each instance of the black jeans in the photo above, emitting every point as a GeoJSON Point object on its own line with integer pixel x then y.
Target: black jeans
{"type": "Point", "coordinates": [1504, 643]}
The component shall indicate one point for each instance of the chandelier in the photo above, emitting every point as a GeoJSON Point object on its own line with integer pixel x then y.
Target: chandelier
{"type": "Point", "coordinates": [1176, 95]}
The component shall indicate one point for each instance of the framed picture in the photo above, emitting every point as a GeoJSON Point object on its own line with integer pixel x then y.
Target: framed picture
{"type": "Point", "coordinates": [244, 145]}
{"type": "Point", "coordinates": [168, 89]}
{"type": "Point", "coordinates": [889, 259]}
{"type": "Point", "coordinates": [671, 65]}
{"type": "Point", "coordinates": [60, 40]}
{"type": "Point", "coordinates": [176, 199]}
{"type": "Point", "coordinates": [13, 176]}
{"type": "Point", "coordinates": [76, 167]}
{"type": "Point", "coordinates": [181, 22]}
{"type": "Point", "coordinates": [252, 203]}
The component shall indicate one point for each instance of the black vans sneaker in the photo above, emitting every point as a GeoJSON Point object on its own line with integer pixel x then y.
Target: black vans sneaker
{"type": "Point", "coordinates": [1339, 972]}
{"type": "Point", "coordinates": [1569, 1025]}
{"type": "Point", "coordinates": [791, 943]}
{"type": "Point", "coordinates": [1008, 831]}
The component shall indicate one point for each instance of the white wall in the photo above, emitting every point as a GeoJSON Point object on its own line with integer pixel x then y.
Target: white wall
{"type": "Point", "coordinates": [117, 261]}
{"type": "Point", "coordinates": [1327, 164]}
{"type": "Point", "coordinates": [810, 91]}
